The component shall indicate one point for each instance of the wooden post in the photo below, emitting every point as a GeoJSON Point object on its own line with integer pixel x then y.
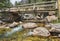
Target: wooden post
{"type": "Point", "coordinates": [58, 1]}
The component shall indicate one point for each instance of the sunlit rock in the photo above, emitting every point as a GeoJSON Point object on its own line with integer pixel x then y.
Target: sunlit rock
{"type": "Point", "coordinates": [40, 31]}
{"type": "Point", "coordinates": [13, 24]}
{"type": "Point", "coordinates": [51, 18]}
{"type": "Point", "coordinates": [55, 27]}
{"type": "Point", "coordinates": [29, 25]}
{"type": "Point", "coordinates": [47, 25]}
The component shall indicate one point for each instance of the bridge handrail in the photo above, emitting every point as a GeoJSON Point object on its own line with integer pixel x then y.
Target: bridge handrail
{"type": "Point", "coordinates": [32, 5]}
{"type": "Point", "coordinates": [37, 3]}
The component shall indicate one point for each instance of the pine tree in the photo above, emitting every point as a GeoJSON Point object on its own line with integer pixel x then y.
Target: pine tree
{"type": "Point", "coordinates": [17, 3]}
{"type": "Point", "coordinates": [5, 3]}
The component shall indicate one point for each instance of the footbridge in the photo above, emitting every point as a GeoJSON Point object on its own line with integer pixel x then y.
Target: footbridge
{"type": "Point", "coordinates": [34, 7]}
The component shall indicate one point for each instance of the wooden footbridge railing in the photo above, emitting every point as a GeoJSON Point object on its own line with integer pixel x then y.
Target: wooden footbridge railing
{"type": "Point", "coordinates": [42, 6]}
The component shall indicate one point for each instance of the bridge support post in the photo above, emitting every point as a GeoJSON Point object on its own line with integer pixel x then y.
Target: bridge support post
{"type": "Point", "coordinates": [58, 2]}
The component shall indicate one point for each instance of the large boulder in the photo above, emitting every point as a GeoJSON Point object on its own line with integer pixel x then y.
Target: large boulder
{"type": "Point", "coordinates": [28, 16]}
{"type": "Point", "coordinates": [1, 22]}
{"type": "Point", "coordinates": [13, 24]}
{"type": "Point", "coordinates": [40, 31]}
{"type": "Point", "coordinates": [29, 25]}
{"type": "Point", "coordinates": [51, 18]}
{"type": "Point", "coordinates": [55, 27]}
